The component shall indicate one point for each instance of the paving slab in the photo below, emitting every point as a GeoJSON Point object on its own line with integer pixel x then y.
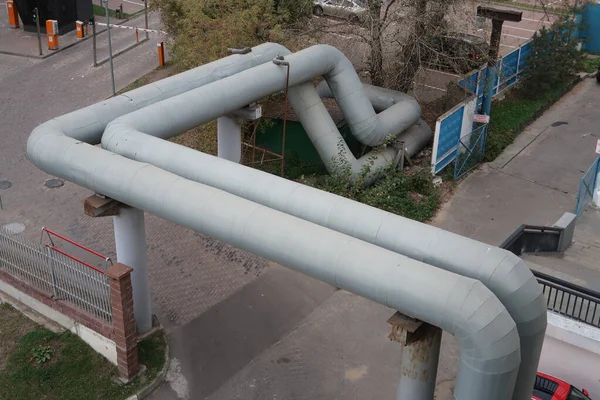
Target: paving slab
{"type": "Point", "coordinates": [536, 179]}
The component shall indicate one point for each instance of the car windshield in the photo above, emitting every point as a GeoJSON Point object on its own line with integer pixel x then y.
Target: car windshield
{"type": "Point", "coordinates": [542, 394]}
{"type": "Point", "coordinates": [577, 395]}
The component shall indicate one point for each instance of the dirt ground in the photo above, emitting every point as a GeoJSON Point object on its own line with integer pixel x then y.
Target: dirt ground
{"type": "Point", "coordinates": [13, 325]}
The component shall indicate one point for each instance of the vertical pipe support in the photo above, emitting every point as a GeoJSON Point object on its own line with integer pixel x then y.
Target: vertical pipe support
{"type": "Point", "coordinates": [420, 356]}
{"type": "Point", "coordinates": [229, 133]}
{"type": "Point", "coordinates": [130, 241]}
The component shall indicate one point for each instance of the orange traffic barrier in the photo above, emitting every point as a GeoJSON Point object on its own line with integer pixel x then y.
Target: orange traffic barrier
{"type": "Point", "coordinates": [52, 31]}
{"type": "Point", "coordinates": [13, 14]}
{"type": "Point", "coordinates": [79, 28]}
{"type": "Point", "coordinates": [161, 54]}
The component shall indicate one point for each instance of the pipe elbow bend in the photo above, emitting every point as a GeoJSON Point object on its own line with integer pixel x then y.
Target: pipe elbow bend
{"type": "Point", "coordinates": [509, 277]}
{"type": "Point", "coordinates": [490, 346]}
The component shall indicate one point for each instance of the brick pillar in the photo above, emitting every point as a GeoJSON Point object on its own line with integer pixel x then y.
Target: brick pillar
{"type": "Point", "coordinates": [121, 297]}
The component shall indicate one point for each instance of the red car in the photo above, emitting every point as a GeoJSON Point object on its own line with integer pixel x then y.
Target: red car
{"type": "Point", "coordinates": [550, 388]}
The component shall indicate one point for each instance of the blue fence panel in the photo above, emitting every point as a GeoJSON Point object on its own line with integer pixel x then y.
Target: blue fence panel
{"type": "Point", "coordinates": [510, 65]}
{"type": "Point", "coordinates": [525, 50]}
{"type": "Point", "coordinates": [587, 186]}
{"type": "Point", "coordinates": [470, 82]}
{"type": "Point", "coordinates": [449, 135]}
{"type": "Point", "coordinates": [510, 69]}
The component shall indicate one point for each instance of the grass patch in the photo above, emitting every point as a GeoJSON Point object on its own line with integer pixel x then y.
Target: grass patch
{"type": "Point", "coordinates": [589, 65]}
{"type": "Point", "coordinates": [511, 115]}
{"type": "Point", "coordinates": [48, 365]}
{"type": "Point", "coordinates": [101, 12]}
{"type": "Point", "coordinates": [411, 195]}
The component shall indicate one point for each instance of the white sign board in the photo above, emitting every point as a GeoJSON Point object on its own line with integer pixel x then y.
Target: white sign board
{"type": "Point", "coordinates": [598, 146]}
{"type": "Point", "coordinates": [482, 119]}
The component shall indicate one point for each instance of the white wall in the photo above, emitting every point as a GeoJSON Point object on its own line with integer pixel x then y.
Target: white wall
{"type": "Point", "coordinates": [99, 343]}
{"type": "Point", "coordinates": [571, 352]}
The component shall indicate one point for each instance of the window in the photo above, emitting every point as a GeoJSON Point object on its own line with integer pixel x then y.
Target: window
{"type": "Point", "coordinates": [577, 395]}
{"type": "Point", "coordinates": [347, 4]}
{"type": "Point", "coordinates": [544, 388]}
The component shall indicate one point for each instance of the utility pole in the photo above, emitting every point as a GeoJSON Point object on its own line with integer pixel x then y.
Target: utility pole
{"type": "Point", "coordinates": [498, 17]}
{"type": "Point", "coordinates": [92, 22]}
{"type": "Point", "coordinates": [146, 16]}
{"type": "Point", "coordinates": [36, 17]}
{"type": "Point", "coordinates": [110, 57]}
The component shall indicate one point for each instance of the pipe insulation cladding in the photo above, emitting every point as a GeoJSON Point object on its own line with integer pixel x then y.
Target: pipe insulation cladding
{"type": "Point", "coordinates": [490, 349]}
{"type": "Point", "coordinates": [59, 148]}
{"type": "Point", "coordinates": [501, 271]}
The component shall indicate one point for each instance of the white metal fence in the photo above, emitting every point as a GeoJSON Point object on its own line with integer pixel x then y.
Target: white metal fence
{"type": "Point", "coordinates": [62, 277]}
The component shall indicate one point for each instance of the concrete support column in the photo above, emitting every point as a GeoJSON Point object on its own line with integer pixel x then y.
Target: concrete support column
{"type": "Point", "coordinates": [229, 133]}
{"type": "Point", "coordinates": [420, 356]}
{"type": "Point", "coordinates": [418, 369]}
{"type": "Point", "coordinates": [130, 241]}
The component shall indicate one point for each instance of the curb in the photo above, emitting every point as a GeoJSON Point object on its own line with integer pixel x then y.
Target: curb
{"type": "Point", "coordinates": [160, 377]}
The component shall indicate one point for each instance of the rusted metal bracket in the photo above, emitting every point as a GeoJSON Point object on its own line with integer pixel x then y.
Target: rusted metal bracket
{"type": "Point", "coordinates": [405, 329]}
{"type": "Point", "coordinates": [101, 206]}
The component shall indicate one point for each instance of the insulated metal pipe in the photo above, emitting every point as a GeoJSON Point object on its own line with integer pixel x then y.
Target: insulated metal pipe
{"type": "Point", "coordinates": [501, 271]}
{"type": "Point", "coordinates": [186, 111]}
{"type": "Point", "coordinates": [490, 350]}
{"type": "Point", "coordinates": [504, 273]}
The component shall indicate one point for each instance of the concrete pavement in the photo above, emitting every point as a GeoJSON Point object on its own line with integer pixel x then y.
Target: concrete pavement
{"type": "Point", "coordinates": [535, 180]}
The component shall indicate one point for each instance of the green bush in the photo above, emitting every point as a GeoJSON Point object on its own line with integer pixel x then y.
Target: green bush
{"type": "Point", "coordinates": [410, 195]}
{"type": "Point", "coordinates": [554, 58]}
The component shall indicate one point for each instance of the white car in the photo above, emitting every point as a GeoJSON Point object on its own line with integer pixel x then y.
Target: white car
{"type": "Point", "coordinates": [353, 10]}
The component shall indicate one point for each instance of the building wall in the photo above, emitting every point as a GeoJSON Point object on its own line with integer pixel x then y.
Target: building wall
{"type": "Point", "coordinates": [590, 30]}
{"type": "Point", "coordinates": [571, 352]}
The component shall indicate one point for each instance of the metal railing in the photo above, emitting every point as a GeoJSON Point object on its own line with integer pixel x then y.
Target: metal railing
{"type": "Point", "coordinates": [587, 186]}
{"type": "Point", "coordinates": [569, 300]}
{"type": "Point", "coordinates": [62, 276]}
{"type": "Point", "coordinates": [562, 297]}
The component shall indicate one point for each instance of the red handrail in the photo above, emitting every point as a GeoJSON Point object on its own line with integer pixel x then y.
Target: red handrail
{"type": "Point", "coordinates": [54, 248]}
{"type": "Point", "coordinates": [74, 258]}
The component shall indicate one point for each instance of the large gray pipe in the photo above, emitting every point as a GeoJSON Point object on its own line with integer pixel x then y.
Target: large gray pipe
{"type": "Point", "coordinates": [505, 274]}
{"type": "Point", "coordinates": [328, 141]}
{"type": "Point", "coordinates": [177, 114]}
{"type": "Point", "coordinates": [490, 352]}
{"type": "Point", "coordinates": [88, 124]}
{"type": "Point", "coordinates": [501, 271]}
{"type": "Point", "coordinates": [366, 217]}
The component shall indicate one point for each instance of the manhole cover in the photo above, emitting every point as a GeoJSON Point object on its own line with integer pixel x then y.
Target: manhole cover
{"type": "Point", "coordinates": [559, 123]}
{"type": "Point", "coordinates": [54, 183]}
{"type": "Point", "coordinates": [5, 185]}
{"type": "Point", "coordinates": [14, 228]}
